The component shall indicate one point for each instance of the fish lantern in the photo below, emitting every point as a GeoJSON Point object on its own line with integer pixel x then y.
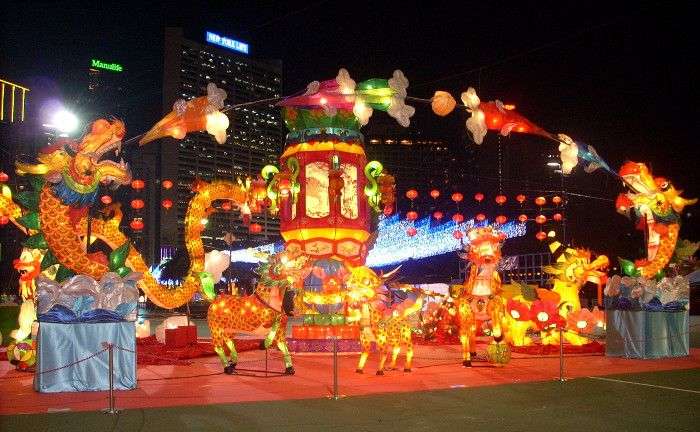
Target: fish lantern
{"type": "Point", "coordinates": [520, 198]}
{"type": "Point", "coordinates": [411, 215]}
{"type": "Point", "coordinates": [137, 204]}
{"type": "Point", "coordinates": [255, 228]}
{"type": "Point", "coordinates": [438, 215]}
{"type": "Point", "coordinates": [4, 177]}
{"type": "Point", "coordinates": [411, 194]}
{"type": "Point", "coordinates": [540, 201]}
{"type": "Point", "coordinates": [106, 199]}
{"type": "Point", "coordinates": [480, 217]}
{"type": "Point", "coordinates": [457, 234]}
{"type": "Point", "coordinates": [457, 197]}
{"type": "Point", "coordinates": [435, 194]}
{"type": "Point", "coordinates": [501, 199]}
{"type": "Point", "coordinates": [540, 236]}
{"type": "Point", "coordinates": [167, 184]}
{"type": "Point", "coordinates": [557, 217]}
{"type": "Point", "coordinates": [458, 218]}
{"type": "Point", "coordinates": [540, 219]}
{"type": "Point", "coordinates": [479, 197]}
{"type": "Point", "coordinates": [501, 219]}
{"type": "Point", "coordinates": [556, 199]}
{"type": "Point", "coordinates": [137, 224]}
{"type": "Point", "coordinates": [442, 103]}
{"type": "Point", "coordinates": [411, 231]}
{"type": "Point", "coordinates": [198, 114]}
{"type": "Point", "coordinates": [167, 203]}
{"type": "Point", "coordinates": [522, 218]}
{"type": "Point", "coordinates": [138, 184]}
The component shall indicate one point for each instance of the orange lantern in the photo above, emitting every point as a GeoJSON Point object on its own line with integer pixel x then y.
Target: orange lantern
{"type": "Point", "coordinates": [167, 184]}
{"type": "Point", "coordinates": [438, 215]}
{"type": "Point", "coordinates": [522, 218]}
{"type": "Point", "coordinates": [4, 177]}
{"type": "Point", "coordinates": [520, 198]}
{"type": "Point", "coordinates": [480, 217]}
{"type": "Point", "coordinates": [458, 218]}
{"type": "Point", "coordinates": [411, 194]}
{"type": "Point", "coordinates": [556, 199]}
{"type": "Point", "coordinates": [255, 228]}
{"type": "Point", "coordinates": [4, 220]}
{"type": "Point", "coordinates": [167, 203]}
{"type": "Point", "coordinates": [479, 196]}
{"type": "Point", "coordinates": [457, 197]}
{"type": "Point", "coordinates": [501, 219]}
{"type": "Point", "coordinates": [541, 236]}
{"type": "Point", "coordinates": [106, 199]}
{"type": "Point", "coordinates": [501, 199]}
{"type": "Point", "coordinates": [540, 201]}
{"type": "Point", "coordinates": [411, 231]}
{"type": "Point", "coordinates": [137, 224]}
{"type": "Point", "coordinates": [226, 205]}
{"type": "Point", "coordinates": [435, 193]}
{"type": "Point", "coordinates": [412, 215]}
{"type": "Point", "coordinates": [138, 184]}
{"type": "Point", "coordinates": [540, 219]}
{"type": "Point", "coordinates": [457, 234]}
{"type": "Point", "coordinates": [137, 204]}
{"type": "Point", "coordinates": [557, 217]}
{"type": "Point", "coordinates": [442, 103]}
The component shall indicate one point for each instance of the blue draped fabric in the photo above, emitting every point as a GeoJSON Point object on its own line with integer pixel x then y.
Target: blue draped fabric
{"type": "Point", "coordinates": [646, 334]}
{"type": "Point", "coordinates": [63, 344]}
{"type": "Point", "coordinates": [62, 314]}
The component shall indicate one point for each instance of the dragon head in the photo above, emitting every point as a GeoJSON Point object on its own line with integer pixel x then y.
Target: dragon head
{"type": "Point", "coordinates": [484, 245]}
{"type": "Point", "coordinates": [575, 267]}
{"type": "Point", "coordinates": [76, 168]}
{"type": "Point", "coordinates": [652, 201]}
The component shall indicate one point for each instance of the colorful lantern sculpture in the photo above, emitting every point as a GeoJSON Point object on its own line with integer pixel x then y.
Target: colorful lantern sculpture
{"type": "Point", "coordinates": [442, 103]}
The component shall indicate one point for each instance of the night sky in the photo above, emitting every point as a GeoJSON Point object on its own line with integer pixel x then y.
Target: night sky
{"type": "Point", "coordinates": [615, 77]}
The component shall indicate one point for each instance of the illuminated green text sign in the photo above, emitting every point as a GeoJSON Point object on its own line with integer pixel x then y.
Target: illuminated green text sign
{"type": "Point", "coordinates": [114, 67]}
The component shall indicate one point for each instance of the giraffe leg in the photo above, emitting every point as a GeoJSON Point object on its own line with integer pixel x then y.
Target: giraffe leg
{"type": "Point", "coordinates": [230, 368]}
{"type": "Point", "coordinates": [381, 346]}
{"type": "Point", "coordinates": [267, 342]}
{"type": "Point", "coordinates": [282, 346]}
{"type": "Point", "coordinates": [406, 336]}
{"type": "Point", "coordinates": [394, 355]}
{"type": "Point", "coordinates": [365, 353]}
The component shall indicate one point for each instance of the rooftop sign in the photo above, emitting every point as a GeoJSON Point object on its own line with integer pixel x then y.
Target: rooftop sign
{"type": "Point", "coordinates": [228, 43]}
{"type": "Point", "coordinates": [114, 67]}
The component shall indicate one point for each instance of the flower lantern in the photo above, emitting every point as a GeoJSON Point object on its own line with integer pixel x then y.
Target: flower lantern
{"type": "Point", "coordinates": [412, 231]}
{"type": "Point", "coordinates": [138, 184]}
{"type": "Point", "coordinates": [457, 234]}
{"type": "Point", "coordinates": [518, 310]}
{"type": "Point", "coordinates": [540, 219]}
{"type": "Point", "coordinates": [167, 203]}
{"type": "Point", "coordinates": [438, 215]}
{"type": "Point", "coordinates": [442, 103]}
{"type": "Point", "coordinates": [136, 224]}
{"type": "Point", "coordinates": [501, 199]}
{"type": "Point", "coordinates": [501, 219]}
{"type": "Point", "coordinates": [479, 196]}
{"type": "Point", "coordinates": [556, 199]}
{"type": "Point", "coordinates": [412, 215]}
{"type": "Point", "coordinates": [522, 218]}
{"type": "Point", "coordinates": [137, 204]}
{"type": "Point", "coordinates": [435, 194]}
{"type": "Point", "coordinates": [540, 201]}
{"type": "Point", "coordinates": [557, 217]}
{"type": "Point", "coordinates": [411, 194]}
{"type": "Point", "coordinates": [480, 217]}
{"type": "Point", "coordinates": [167, 184]}
{"type": "Point", "coordinates": [520, 198]}
{"type": "Point", "coordinates": [106, 199]}
{"type": "Point", "coordinates": [458, 218]}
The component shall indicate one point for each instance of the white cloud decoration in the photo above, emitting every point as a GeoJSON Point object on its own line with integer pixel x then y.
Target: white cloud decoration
{"type": "Point", "coordinates": [476, 123]}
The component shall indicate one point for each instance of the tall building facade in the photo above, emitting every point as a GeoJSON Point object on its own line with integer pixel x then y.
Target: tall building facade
{"type": "Point", "coordinates": [255, 134]}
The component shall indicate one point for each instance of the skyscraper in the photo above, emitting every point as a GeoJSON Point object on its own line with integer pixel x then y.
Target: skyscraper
{"type": "Point", "coordinates": [255, 132]}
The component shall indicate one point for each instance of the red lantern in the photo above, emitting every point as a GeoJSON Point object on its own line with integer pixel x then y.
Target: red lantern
{"type": "Point", "coordinates": [481, 217]}
{"type": "Point", "coordinates": [388, 210]}
{"type": "Point", "coordinates": [411, 231]}
{"type": "Point", "coordinates": [167, 184]}
{"type": "Point", "coordinates": [541, 236]}
{"type": "Point", "coordinates": [4, 177]}
{"type": "Point", "coordinates": [4, 220]}
{"type": "Point", "coordinates": [457, 234]}
{"type": "Point", "coordinates": [411, 215]}
{"type": "Point", "coordinates": [501, 219]}
{"type": "Point", "coordinates": [479, 196]}
{"type": "Point", "coordinates": [540, 201]}
{"type": "Point", "coordinates": [138, 184]}
{"type": "Point", "coordinates": [557, 217]}
{"type": "Point", "coordinates": [255, 228]}
{"type": "Point", "coordinates": [137, 204]}
{"type": "Point", "coordinates": [435, 193]}
{"type": "Point", "coordinates": [457, 197]}
{"type": "Point", "coordinates": [556, 199]}
{"type": "Point", "coordinates": [522, 218]}
{"type": "Point", "coordinates": [458, 218]}
{"type": "Point", "coordinates": [520, 198]}
{"type": "Point", "coordinates": [226, 205]}
{"type": "Point", "coordinates": [137, 224]}
{"type": "Point", "coordinates": [106, 199]}
{"type": "Point", "coordinates": [438, 215]}
{"type": "Point", "coordinates": [167, 203]}
{"type": "Point", "coordinates": [501, 199]}
{"type": "Point", "coordinates": [540, 219]}
{"type": "Point", "coordinates": [411, 194]}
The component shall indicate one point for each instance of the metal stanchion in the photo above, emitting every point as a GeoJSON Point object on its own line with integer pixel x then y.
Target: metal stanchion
{"type": "Point", "coordinates": [561, 356]}
{"type": "Point", "coordinates": [111, 409]}
{"type": "Point", "coordinates": [335, 368]}
{"type": "Point", "coordinates": [266, 350]}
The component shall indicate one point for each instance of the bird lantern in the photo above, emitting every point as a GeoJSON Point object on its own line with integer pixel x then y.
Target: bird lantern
{"type": "Point", "coordinates": [442, 103]}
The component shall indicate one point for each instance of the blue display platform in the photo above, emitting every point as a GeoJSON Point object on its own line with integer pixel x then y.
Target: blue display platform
{"type": "Point", "coordinates": [647, 334]}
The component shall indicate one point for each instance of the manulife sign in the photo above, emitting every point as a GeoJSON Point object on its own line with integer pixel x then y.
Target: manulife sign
{"type": "Point", "coordinates": [99, 64]}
